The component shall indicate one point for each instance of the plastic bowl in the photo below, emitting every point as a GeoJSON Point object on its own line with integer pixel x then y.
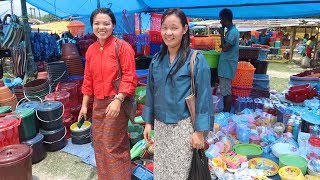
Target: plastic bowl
{"type": "Point", "coordinates": [290, 173]}
{"type": "Point", "coordinates": [284, 148]}
{"type": "Point", "coordinates": [294, 160]}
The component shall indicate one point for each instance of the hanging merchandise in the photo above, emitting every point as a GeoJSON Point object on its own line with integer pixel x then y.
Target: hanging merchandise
{"type": "Point", "coordinates": [44, 47]}
{"type": "Point", "coordinates": [14, 32]}
{"type": "Point", "coordinates": [19, 59]}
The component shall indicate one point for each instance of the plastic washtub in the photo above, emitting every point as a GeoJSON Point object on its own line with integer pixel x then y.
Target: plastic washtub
{"type": "Point", "coordinates": [294, 160]}
{"type": "Point", "coordinates": [212, 58]}
{"type": "Point", "coordinates": [248, 53]}
{"type": "Point", "coordinates": [263, 53]}
{"type": "Point", "coordinates": [142, 173]}
{"type": "Point", "coordinates": [261, 81]}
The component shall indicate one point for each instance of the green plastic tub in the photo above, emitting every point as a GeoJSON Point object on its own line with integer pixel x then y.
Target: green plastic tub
{"type": "Point", "coordinates": [140, 94]}
{"type": "Point", "coordinates": [136, 133]}
{"type": "Point", "coordinates": [294, 160]}
{"type": "Point", "coordinates": [27, 128]}
{"type": "Point", "coordinates": [212, 58]}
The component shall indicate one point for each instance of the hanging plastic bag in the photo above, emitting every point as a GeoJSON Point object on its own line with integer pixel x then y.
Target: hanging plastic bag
{"type": "Point", "coordinates": [199, 166]}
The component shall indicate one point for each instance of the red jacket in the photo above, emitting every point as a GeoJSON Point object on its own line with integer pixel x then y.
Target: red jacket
{"type": "Point", "coordinates": [101, 69]}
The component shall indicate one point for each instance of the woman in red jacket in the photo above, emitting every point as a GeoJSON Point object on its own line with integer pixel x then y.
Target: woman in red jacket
{"type": "Point", "coordinates": [109, 122]}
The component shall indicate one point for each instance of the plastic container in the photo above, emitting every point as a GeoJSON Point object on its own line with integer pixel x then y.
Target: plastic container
{"type": "Point", "coordinates": [140, 94]}
{"type": "Point", "coordinates": [261, 67]}
{"type": "Point", "coordinates": [215, 101]}
{"type": "Point", "coordinates": [72, 89]}
{"type": "Point", "coordinates": [39, 152]}
{"type": "Point", "coordinates": [155, 37]}
{"type": "Point", "coordinates": [293, 160]}
{"type": "Point", "coordinates": [142, 173]}
{"type": "Point", "coordinates": [203, 42]}
{"type": "Point", "coordinates": [261, 81]}
{"type": "Point", "coordinates": [212, 58]}
{"type": "Point", "coordinates": [76, 28]}
{"type": "Point", "coordinates": [314, 148]}
{"type": "Point", "coordinates": [9, 131]}
{"type": "Point", "coordinates": [15, 162]}
{"type": "Point", "coordinates": [250, 150]}
{"type": "Point", "coordinates": [155, 22]}
{"type": "Point", "coordinates": [63, 97]}
{"type": "Point", "coordinates": [5, 109]}
{"type": "Point", "coordinates": [241, 91]}
{"type": "Point", "coordinates": [27, 128]}
{"type": "Point", "coordinates": [50, 115]}
{"type": "Point", "coordinates": [136, 133]}
{"type": "Point", "coordinates": [154, 48]}
{"type": "Point", "coordinates": [244, 75]}
{"type": "Point", "coordinates": [263, 53]}
{"type": "Point", "coordinates": [82, 135]}
{"type": "Point", "coordinates": [248, 53]}
{"type": "Point", "coordinates": [290, 173]}
{"type": "Point", "coordinates": [54, 140]}
{"type": "Point", "coordinates": [277, 44]}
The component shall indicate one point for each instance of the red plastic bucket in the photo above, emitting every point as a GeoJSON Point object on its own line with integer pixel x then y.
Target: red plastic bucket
{"type": "Point", "coordinates": [9, 132]}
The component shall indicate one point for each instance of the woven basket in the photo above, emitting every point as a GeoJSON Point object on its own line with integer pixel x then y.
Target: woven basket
{"type": "Point", "coordinates": [241, 91]}
{"type": "Point", "coordinates": [244, 75]}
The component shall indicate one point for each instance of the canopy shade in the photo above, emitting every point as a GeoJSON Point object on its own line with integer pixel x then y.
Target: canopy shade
{"type": "Point", "coordinates": [67, 8]}
{"type": "Point", "coordinates": [242, 9]}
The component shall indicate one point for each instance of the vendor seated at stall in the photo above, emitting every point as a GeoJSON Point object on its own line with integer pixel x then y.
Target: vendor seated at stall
{"type": "Point", "coordinates": [264, 38]}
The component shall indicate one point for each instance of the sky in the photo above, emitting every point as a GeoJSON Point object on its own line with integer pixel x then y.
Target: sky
{"type": "Point", "coordinates": [5, 8]}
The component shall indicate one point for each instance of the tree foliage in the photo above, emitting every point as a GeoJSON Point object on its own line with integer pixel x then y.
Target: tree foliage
{"type": "Point", "coordinates": [49, 18]}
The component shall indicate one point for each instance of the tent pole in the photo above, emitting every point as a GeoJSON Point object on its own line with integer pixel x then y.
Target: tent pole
{"type": "Point", "coordinates": [27, 31]}
{"type": "Point", "coordinates": [292, 40]}
{"type": "Point", "coordinates": [98, 3]}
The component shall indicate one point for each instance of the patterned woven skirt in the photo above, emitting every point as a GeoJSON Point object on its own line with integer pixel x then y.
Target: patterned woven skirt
{"type": "Point", "coordinates": [173, 150]}
{"type": "Point", "coordinates": [111, 143]}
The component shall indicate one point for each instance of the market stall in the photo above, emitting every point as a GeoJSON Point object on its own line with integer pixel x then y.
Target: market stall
{"type": "Point", "coordinates": [268, 134]}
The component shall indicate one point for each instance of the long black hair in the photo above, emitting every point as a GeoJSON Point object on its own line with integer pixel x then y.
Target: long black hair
{"type": "Point", "coordinates": [106, 11]}
{"type": "Point", "coordinates": [184, 49]}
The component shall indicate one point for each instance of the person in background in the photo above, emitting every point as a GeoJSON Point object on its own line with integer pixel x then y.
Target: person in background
{"type": "Point", "coordinates": [305, 38]}
{"type": "Point", "coordinates": [310, 45]}
{"type": "Point", "coordinates": [109, 121]}
{"type": "Point", "coordinates": [165, 108]}
{"type": "Point", "coordinates": [303, 45]}
{"type": "Point", "coordinates": [264, 38]}
{"type": "Point", "coordinates": [243, 41]}
{"type": "Point", "coordinates": [229, 56]}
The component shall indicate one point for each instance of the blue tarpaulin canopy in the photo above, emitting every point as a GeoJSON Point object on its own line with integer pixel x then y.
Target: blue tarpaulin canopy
{"type": "Point", "coordinates": [242, 9]}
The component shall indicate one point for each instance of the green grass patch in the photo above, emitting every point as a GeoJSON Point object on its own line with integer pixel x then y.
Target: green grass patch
{"type": "Point", "coordinates": [289, 67]}
{"type": "Point", "coordinates": [279, 84]}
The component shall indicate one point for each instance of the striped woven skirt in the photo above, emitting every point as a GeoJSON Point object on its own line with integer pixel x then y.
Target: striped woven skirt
{"type": "Point", "coordinates": [111, 143]}
{"type": "Point", "coordinates": [173, 150]}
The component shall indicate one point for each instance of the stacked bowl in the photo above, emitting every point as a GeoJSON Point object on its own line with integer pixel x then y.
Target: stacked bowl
{"type": "Point", "coordinates": [71, 56]}
{"type": "Point", "coordinates": [7, 98]}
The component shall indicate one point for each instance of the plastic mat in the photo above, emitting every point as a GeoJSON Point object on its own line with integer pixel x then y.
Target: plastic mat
{"type": "Point", "coordinates": [84, 151]}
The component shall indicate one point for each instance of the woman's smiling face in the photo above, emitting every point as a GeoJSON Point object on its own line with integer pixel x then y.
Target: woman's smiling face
{"type": "Point", "coordinates": [172, 31]}
{"type": "Point", "coordinates": [102, 26]}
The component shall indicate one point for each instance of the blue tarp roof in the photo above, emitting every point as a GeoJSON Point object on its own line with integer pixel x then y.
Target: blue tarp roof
{"type": "Point", "coordinates": [242, 9]}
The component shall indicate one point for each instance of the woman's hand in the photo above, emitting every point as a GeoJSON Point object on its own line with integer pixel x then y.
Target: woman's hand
{"type": "Point", "coordinates": [147, 132]}
{"type": "Point", "coordinates": [83, 112]}
{"type": "Point", "coordinates": [197, 140]}
{"type": "Point", "coordinates": [113, 108]}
